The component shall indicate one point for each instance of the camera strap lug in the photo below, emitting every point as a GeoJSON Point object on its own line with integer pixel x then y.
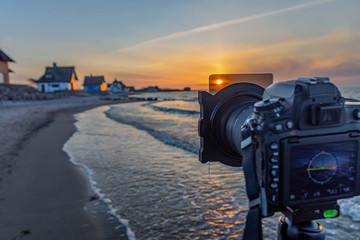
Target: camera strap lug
{"type": "Point", "coordinates": [246, 142]}
{"type": "Point", "coordinates": [254, 203]}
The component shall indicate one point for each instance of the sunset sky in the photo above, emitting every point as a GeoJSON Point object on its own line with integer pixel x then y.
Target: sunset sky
{"type": "Point", "coordinates": [179, 43]}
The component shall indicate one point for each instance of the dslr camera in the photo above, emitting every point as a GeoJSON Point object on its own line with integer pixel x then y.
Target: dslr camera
{"type": "Point", "coordinates": [298, 143]}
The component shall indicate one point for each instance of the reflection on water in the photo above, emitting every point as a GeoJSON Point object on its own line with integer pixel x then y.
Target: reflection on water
{"type": "Point", "coordinates": [149, 171]}
{"type": "Point", "coordinates": [163, 191]}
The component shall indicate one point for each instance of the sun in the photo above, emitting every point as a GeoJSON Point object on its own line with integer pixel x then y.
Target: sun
{"type": "Point", "coordinates": [219, 81]}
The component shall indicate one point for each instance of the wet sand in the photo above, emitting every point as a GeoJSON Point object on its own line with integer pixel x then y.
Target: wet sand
{"type": "Point", "coordinates": [43, 195]}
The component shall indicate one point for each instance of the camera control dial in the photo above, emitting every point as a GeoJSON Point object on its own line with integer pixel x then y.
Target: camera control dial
{"type": "Point", "coordinates": [272, 106]}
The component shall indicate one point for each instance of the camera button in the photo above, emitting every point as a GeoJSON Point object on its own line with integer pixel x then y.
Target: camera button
{"type": "Point", "coordinates": [357, 114]}
{"type": "Point", "coordinates": [273, 197]}
{"type": "Point", "coordinates": [274, 159]}
{"type": "Point", "coordinates": [274, 185]}
{"type": "Point", "coordinates": [275, 166]}
{"type": "Point", "coordinates": [278, 127]}
{"type": "Point", "coordinates": [305, 195]}
{"type": "Point", "coordinates": [274, 146]}
{"type": "Point", "coordinates": [289, 124]}
{"type": "Point", "coordinates": [274, 173]}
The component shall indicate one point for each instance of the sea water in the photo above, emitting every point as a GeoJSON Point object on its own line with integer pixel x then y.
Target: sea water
{"type": "Point", "coordinates": [142, 161]}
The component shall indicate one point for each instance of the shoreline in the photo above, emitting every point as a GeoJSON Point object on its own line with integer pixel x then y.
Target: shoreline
{"type": "Point", "coordinates": [43, 194]}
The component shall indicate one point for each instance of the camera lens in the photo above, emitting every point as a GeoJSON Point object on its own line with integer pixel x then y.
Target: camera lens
{"type": "Point", "coordinates": [231, 113]}
{"type": "Point", "coordinates": [221, 118]}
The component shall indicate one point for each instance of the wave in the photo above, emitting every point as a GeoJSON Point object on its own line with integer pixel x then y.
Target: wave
{"type": "Point", "coordinates": [173, 110]}
{"type": "Point", "coordinates": [161, 136]}
{"type": "Point", "coordinates": [171, 96]}
{"type": "Point", "coordinates": [112, 211]}
{"type": "Point", "coordinates": [171, 129]}
{"type": "Point", "coordinates": [350, 207]}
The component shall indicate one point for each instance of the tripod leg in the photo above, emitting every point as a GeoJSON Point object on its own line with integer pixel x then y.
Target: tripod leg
{"type": "Point", "coordinates": [282, 228]}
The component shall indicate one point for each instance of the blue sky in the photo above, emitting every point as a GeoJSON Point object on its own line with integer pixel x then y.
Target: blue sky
{"type": "Point", "coordinates": [180, 43]}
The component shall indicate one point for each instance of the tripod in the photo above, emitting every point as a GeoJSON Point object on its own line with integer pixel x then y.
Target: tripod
{"type": "Point", "coordinates": [307, 230]}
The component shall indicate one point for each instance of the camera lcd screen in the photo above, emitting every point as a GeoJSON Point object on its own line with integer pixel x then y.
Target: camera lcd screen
{"type": "Point", "coordinates": [322, 170]}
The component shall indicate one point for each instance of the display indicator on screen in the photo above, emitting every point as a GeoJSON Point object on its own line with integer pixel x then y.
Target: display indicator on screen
{"type": "Point", "coordinates": [322, 170]}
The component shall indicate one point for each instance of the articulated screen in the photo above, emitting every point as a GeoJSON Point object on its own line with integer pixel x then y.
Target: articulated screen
{"type": "Point", "coordinates": [325, 170]}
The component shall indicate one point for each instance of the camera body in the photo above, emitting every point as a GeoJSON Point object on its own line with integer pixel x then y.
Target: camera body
{"type": "Point", "coordinates": [305, 142]}
{"type": "Point", "coordinates": [306, 145]}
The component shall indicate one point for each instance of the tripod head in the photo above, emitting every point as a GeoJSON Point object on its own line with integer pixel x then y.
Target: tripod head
{"type": "Point", "coordinates": [308, 230]}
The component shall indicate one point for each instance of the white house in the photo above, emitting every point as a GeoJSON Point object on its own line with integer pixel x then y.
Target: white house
{"type": "Point", "coordinates": [57, 79]}
{"type": "Point", "coordinates": [118, 87]}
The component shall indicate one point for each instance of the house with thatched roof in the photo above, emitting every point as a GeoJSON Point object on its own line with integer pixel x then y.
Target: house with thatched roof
{"type": "Point", "coordinates": [56, 79]}
{"type": "Point", "coordinates": [4, 68]}
{"type": "Point", "coordinates": [94, 84]}
{"type": "Point", "coordinates": [118, 87]}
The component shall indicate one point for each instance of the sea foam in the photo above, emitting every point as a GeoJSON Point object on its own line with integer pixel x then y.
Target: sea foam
{"type": "Point", "coordinates": [97, 191]}
{"type": "Point", "coordinates": [350, 207]}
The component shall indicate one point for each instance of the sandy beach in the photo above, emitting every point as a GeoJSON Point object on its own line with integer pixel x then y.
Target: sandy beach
{"type": "Point", "coordinates": [43, 195]}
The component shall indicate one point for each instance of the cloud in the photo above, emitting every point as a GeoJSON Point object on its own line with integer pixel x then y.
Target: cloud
{"type": "Point", "coordinates": [224, 24]}
{"type": "Point", "coordinates": [330, 55]}
{"type": "Point", "coordinates": [189, 62]}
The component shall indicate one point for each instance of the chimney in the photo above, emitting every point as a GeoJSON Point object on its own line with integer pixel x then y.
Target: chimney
{"type": "Point", "coordinates": [54, 63]}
